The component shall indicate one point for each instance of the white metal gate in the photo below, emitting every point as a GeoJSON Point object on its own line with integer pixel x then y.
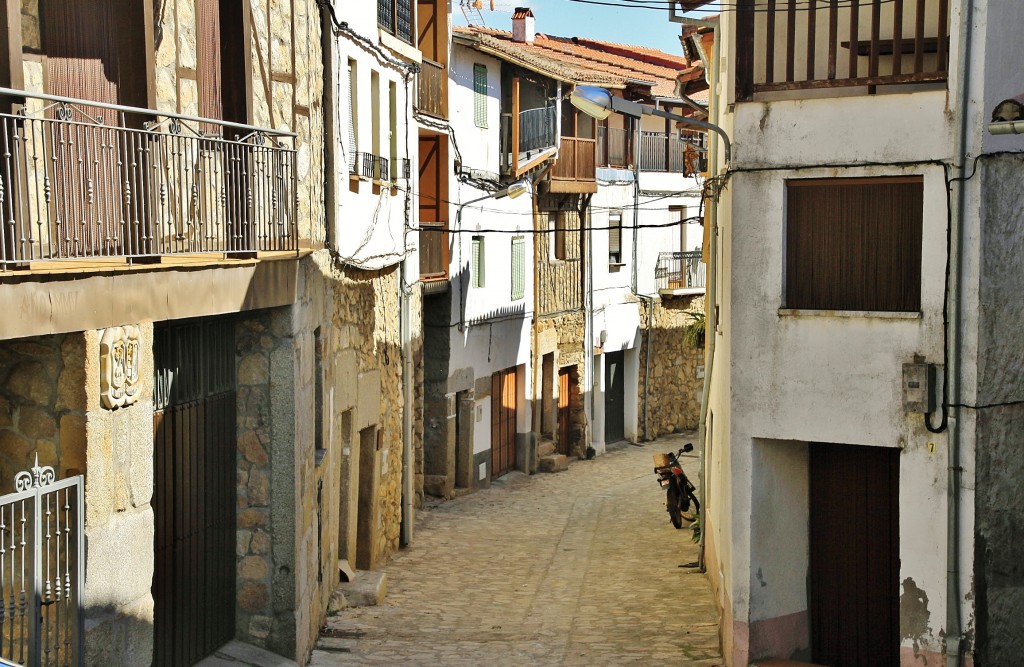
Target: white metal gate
{"type": "Point", "coordinates": [41, 549]}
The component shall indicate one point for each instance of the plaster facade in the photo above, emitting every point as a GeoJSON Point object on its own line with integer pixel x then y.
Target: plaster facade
{"type": "Point", "coordinates": [787, 379]}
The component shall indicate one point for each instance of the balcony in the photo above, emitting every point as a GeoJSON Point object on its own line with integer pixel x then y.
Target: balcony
{"type": "Point", "coordinates": [680, 273]}
{"type": "Point", "coordinates": [82, 180]}
{"type": "Point", "coordinates": [661, 152]}
{"type": "Point", "coordinates": [786, 45]}
{"type": "Point", "coordinates": [575, 169]}
{"type": "Point", "coordinates": [532, 133]}
{"type": "Point", "coordinates": [433, 251]}
{"type": "Point", "coordinates": [369, 166]}
{"type": "Point", "coordinates": [431, 84]}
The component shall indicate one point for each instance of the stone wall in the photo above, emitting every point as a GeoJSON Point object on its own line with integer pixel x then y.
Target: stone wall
{"type": "Point", "coordinates": [42, 406]}
{"type": "Point", "coordinates": [50, 408]}
{"type": "Point", "coordinates": [569, 328]}
{"type": "Point", "coordinates": [676, 377]}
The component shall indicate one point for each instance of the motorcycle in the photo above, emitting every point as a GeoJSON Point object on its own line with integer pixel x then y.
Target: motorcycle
{"type": "Point", "coordinates": [679, 492]}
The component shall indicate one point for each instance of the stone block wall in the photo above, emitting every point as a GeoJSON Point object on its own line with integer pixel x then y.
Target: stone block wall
{"type": "Point", "coordinates": [676, 379]}
{"type": "Point", "coordinates": [569, 328]}
{"type": "Point", "coordinates": [50, 408]}
{"type": "Point", "coordinates": [42, 406]}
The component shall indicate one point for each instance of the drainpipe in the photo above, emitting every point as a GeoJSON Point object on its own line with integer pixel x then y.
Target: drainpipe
{"type": "Point", "coordinates": [405, 333]}
{"type": "Point", "coordinates": [711, 292]}
{"type": "Point", "coordinates": [954, 631]}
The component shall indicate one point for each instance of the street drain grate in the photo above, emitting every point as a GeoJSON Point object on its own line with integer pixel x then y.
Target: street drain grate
{"type": "Point", "coordinates": [342, 634]}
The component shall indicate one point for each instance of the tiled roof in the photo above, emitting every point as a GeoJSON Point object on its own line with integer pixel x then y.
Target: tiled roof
{"type": "Point", "coordinates": [582, 60]}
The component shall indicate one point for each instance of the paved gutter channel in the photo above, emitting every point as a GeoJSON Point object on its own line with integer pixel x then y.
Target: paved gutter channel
{"type": "Point", "coordinates": [574, 568]}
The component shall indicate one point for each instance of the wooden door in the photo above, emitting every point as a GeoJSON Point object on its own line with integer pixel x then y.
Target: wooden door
{"type": "Point", "coordinates": [614, 396]}
{"type": "Point", "coordinates": [503, 422]}
{"type": "Point", "coordinates": [854, 555]}
{"type": "Point", "coordinates": [566, 386]}
{"type": "Point", "coordinates": [195, 447]}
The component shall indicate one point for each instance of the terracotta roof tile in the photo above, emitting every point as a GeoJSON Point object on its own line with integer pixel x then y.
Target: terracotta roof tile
{"type": "Point", "coordinates": [583, 60]}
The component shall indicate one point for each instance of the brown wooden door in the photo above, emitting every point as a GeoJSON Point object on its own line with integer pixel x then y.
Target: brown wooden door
{"type": "Point", "coordinates": [503, 422]}
{"type": "Point", "coordinates": [854, 555]}
{"type": "Point", "coordinates": [194, 480]}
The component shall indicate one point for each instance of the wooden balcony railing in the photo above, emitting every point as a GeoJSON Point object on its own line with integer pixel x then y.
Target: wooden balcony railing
{"type": "Point", "coordinates": [799, 44]}
{"type": "Point", "coordinates": [576, 160]}
{"type": "Point", "coordinates": [431, 86]}
{"type": "Point", "coordinates": [433, 250]}
{"type": "Point", "coordinates": [80, 179]}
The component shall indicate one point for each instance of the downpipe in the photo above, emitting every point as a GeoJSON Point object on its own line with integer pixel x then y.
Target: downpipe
{"type": "Point", "coordinates": [954, 629]}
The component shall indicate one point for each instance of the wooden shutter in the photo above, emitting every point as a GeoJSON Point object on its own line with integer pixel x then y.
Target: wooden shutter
{"type": "Point", "coordinates": [480, 95]}
{"type": "Point", "coordinates": [208, 30]}
{"type": "Point", "coordinates": [518, 267]}
{"type": "Point", "coordinates": [854, 244]}
{"type": "Point", "coordinates": [478, 261]}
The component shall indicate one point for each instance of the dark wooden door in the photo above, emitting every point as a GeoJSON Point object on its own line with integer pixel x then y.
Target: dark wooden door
{"type": "Point", "coordinates": [614, 396]}
{"type": "Point", "coordinates": [194, 481]}
{"type": "Point", "coordinates": [854, 555]}
{"type": "Point", "coordinates": [503, 422]}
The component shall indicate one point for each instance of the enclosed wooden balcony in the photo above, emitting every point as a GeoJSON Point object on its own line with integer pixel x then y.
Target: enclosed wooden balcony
{"type": "Point", "coordinates": [786, 45]}
{"type": "Point", "coordinates": [575, 170]}
{"type": "Point", "coordinates": [432, 89]}
{"type": "Point", "coordinates": [87, 181]}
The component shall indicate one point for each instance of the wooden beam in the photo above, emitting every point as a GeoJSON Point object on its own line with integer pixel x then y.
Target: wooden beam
{"type": "Point", "coordinates": [11, 74]}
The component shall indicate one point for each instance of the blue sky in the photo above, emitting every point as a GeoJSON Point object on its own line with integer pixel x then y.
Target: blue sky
{"type": "Point", "coordinates": [645, 27]}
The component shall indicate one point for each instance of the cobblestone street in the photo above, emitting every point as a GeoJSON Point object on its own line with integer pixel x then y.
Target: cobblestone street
{"type": "Point", "coordinates": [574, 568]}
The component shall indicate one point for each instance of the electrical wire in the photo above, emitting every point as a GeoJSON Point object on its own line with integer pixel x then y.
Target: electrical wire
{"type": "Point", "coordinates": [733, 7]}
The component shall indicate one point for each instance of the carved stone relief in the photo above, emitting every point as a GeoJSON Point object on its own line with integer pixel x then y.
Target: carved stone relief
{"type": "Point", "coordinates": [120, 361]}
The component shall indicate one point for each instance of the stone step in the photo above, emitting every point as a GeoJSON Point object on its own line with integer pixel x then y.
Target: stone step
{"type": "Point", "coordinates": [236, 653]}
{"type": "Point", "coordinates": [553, 463]}
{"type": "Point", "coordinates": [545, 448]}
{"type": "Point", "coordinates": [367, 589]}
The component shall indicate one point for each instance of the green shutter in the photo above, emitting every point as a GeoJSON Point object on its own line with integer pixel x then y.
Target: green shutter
{"type": "Point", "coordinates": [480, 95]}
{"type": "Point", "coordinates": [518, 268]}
{"type": "Point", "coordinates": [478, 261]}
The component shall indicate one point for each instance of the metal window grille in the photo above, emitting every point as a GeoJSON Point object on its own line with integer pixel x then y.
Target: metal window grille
{"type": "Point", "coordinates": [518, 267]}
{"type": "Point", "coordinates": [614, 238]}
{"type": "Point", "coordinates": [478, 261]}
{"type": "Point", "coordinates": [480, 95]}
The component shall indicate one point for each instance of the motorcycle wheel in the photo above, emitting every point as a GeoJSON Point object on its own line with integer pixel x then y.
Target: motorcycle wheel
{"type": "Point", "coordinates": [672, 503]}
{"type": "Point", "coordinates": [690, 517]}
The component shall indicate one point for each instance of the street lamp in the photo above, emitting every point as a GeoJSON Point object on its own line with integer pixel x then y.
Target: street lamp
{"type": "Point", "coordinates": [599, 103]}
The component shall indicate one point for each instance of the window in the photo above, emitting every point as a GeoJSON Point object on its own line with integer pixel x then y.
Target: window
{"type": "Point", "coordinates": [679, 214]}
{"type": "Point", "coordinates": [518, 267]}
{"type": "Point", "coordinates": [480, 95]}
{"type": "Point", "coordinates": [556, 231]}
{"type": "Point", "coordinates": [395, 17]}
{"type": "Point", "coordinates": [478, 261]}
{"type": "Point", "coordinates": [352, 106]}
{"type": "Point", "coordinates": [854, 244]}
{"type": "Point", "coordinates": [615, 238]}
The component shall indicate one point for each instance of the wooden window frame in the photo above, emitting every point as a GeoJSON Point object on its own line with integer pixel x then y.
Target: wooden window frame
{"type": "Point", "coordinates": [556, 228]}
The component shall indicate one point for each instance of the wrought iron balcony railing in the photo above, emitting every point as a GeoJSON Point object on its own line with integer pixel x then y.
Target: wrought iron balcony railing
{"type": "Point", "coordinates": [661, 152]}
{"type": "Point", "coordinates": [368, 165]}
{"type": "Point", "coordinates": [680, 271]}
{"type": "Point", "coordinates": [86, 180]}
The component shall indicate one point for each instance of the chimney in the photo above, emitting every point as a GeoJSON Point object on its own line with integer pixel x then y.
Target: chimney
{"type": "Point", "coordinates": [523, 29]}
